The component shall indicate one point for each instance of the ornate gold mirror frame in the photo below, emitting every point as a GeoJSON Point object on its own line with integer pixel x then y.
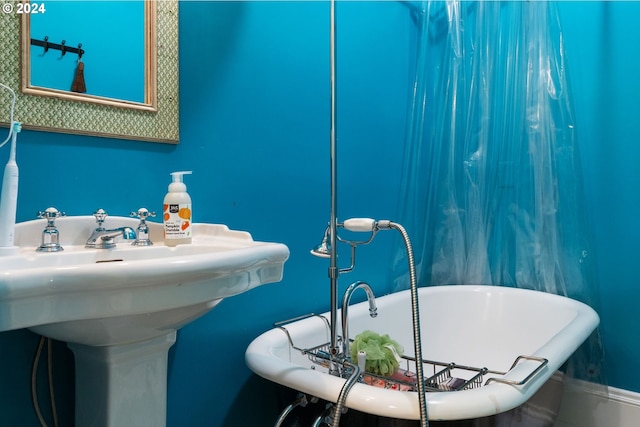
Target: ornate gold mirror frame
{"type": "Point", "coordinates": [58, 111]}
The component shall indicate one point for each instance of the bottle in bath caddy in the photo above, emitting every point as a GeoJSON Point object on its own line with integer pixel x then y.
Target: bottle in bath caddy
{"type": "Point", "coordinates": [177, 212]}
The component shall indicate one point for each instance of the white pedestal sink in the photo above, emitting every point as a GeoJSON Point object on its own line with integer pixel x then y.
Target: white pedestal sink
{"type": "Point", "coordinates": [118, 309]}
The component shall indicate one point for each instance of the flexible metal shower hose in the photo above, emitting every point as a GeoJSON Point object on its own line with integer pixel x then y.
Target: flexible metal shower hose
{"type": "Point", "coordinates": [415, 312]}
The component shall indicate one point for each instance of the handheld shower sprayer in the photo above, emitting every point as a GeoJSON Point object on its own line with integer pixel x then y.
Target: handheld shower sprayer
{"type": "Point", "coordinates": [364, 225]}
{"type": "Point", "coordinates": [367, 225]}
{"type": "Point", "coordinates": [360, 224]}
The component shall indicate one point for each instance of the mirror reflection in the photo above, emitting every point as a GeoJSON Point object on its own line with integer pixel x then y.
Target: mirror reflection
{"type": "Point", "coordinates": [67, 53]}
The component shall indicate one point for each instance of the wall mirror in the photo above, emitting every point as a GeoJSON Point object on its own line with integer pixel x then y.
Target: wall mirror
{"type": "Point", "coordinates": [79, 71]}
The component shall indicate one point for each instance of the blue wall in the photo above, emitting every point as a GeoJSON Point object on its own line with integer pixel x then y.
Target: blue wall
{"type": "Point", "coordinates": [601, 40]}
{"type": "Point", "coordinates": [254, 129]}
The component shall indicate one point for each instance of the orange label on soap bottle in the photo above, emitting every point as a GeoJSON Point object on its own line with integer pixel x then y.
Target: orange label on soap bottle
{"type": "Point", "coordinates": [177, 221]}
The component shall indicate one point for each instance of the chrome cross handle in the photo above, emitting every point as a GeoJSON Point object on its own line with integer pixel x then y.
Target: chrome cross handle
{"type": "Point", "coordinates": [100, 215]}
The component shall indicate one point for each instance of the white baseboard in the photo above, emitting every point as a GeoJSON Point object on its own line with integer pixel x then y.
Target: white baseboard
{"type": "Point", "coordinates": [586, 404]}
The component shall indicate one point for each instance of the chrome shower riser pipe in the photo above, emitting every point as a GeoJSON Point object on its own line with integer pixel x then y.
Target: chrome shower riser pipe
{"type": "Point", "coordinates": [333, 221]}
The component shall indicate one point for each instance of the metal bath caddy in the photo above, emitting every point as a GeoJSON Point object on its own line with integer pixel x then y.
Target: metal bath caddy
{"type": "Point", "coordinates": [444, 376]}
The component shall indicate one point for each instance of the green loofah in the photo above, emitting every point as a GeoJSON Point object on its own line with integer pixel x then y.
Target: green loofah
{"type": "Point", "coordinates": [381, 352]}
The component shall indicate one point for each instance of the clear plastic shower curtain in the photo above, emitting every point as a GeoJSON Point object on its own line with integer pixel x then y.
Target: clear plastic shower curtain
{"type": "Point", "coordinates": [492, 178]}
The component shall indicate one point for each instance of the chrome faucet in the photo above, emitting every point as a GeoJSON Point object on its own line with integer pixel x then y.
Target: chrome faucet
{"type": "Point", "coordinates": [101, 238]}
{"type": "Point", "coordinates": [346, 299]}
{"type": "Point", "coordinates": [142, 231]}
{"type": "Point", "coordinates": [50, 235]}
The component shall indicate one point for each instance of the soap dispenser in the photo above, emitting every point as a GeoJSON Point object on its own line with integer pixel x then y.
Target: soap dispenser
{"type": "Point", "coordinates": [177, 212]}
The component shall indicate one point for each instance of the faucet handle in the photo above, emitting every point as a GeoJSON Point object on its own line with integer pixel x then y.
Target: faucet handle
{"type": "Point", "coordinates": [100, 215]}
{"type": "Point", "coordinates": [142, 214]}
{"type": "Point", "coordinates": [50, 214]}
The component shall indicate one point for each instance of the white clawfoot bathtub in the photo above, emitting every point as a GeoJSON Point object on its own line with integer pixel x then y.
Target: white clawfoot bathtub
{"type": "Point", "coordinates": [475, 326]}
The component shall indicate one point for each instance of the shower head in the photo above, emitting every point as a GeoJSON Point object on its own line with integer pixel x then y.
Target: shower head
{"type": "Point", "coordinates": [323, 250]}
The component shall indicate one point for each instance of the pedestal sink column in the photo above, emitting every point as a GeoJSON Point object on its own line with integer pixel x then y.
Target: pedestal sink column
{"type": "Point", "coordinates": [122, 385]}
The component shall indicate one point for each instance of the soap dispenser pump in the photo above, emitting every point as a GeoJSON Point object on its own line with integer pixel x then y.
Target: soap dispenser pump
{"type": "Point", "coordinates": [177, 212]}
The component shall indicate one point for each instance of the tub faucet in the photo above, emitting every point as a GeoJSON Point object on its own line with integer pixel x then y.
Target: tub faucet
{"type": "Point", "coordinates": [102, 238]}
{"type": "Point", "coordinates": [346, 299]}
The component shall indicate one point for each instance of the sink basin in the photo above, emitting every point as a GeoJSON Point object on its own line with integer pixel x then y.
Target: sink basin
{"type": "Point", "coordinates": [122, 306]}
{"type": "Point", "coordinates": [129, 293]}
{"type": "Point", "coordinates": [474, 327]}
